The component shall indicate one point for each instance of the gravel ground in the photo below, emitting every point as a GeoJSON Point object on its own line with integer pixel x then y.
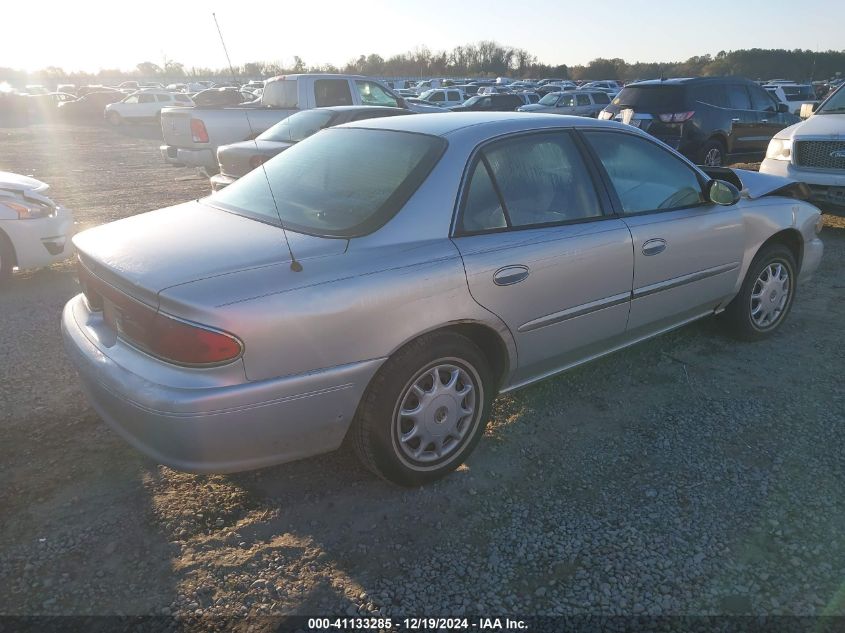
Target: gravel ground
{"type": "Point", "coordinates": [687, 475]}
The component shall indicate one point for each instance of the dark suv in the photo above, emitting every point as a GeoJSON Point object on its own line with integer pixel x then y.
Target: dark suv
{"type": "Point", "coordinates": [708, 119]}
{"type": "Point", "coordinates": [490, 103]}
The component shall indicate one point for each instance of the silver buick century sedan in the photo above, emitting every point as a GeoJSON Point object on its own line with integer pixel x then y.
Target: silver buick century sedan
{"type": "Point", "coordinates": [385, 279]}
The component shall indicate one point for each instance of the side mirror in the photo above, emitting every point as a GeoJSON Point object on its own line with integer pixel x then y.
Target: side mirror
{"type": "Point", "coordinates": [782, 108]}
{"type": "Point", "coordinates": [807, 110]}
{"type": "Point", "coordinates": [721, 192]}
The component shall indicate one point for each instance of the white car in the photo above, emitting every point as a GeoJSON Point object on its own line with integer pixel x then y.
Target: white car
{"type": "Point", "coordinates": [34, 231]}
{"type": "Point", "coordinates": [144, 105]}
{"type": "Point", "coordinates": [792, 94]}
{"type": "Point", "coordinates": [611, 87]}
{"type": "Point", "coordinates": [813, 152]}
{"type": "Point", "coordinates": [444, 97]}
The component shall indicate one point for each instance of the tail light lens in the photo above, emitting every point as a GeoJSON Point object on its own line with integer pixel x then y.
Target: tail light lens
{"type": "Point", "coordinates": [156, 333]}
{"type": "Point", "coordinates": [604, 115]}
{"type": "Point", "coordinates": [198, 132]}
{"type": "Point", "coordinates": [676, 117]}
{"type": "Point", "coordinates": [256, 160]}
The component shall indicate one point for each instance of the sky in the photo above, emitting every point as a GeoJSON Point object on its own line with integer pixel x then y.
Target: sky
{"type": "Point", "coordinates": [89, 35]}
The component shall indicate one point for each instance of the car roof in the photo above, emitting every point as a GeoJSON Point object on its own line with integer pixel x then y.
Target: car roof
{"type": "Point", "coordinates": [448, 123]}
{"type": "Point", "coordinates": [682, 81]}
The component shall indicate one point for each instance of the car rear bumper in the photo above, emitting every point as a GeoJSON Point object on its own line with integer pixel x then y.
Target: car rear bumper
{"type": "Point", "coordinates": [220, 181]}
{"type": "Point", "coordinates": [190, 157]}
{"type": "Point", "coordinates": [215, 429]}
{"type": "Point", "coordinates": [43, 241]}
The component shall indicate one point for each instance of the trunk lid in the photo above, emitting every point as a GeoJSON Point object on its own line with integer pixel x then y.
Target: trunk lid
{"type": "Point", "coordinates": [145, 254]}
{"type": "Point", "coordinates": [235, 159]}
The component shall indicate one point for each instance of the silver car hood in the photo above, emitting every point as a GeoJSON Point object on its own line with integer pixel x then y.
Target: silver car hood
{"type": "Point", "coordinates": [755, 185]}
{"type": "Point", "coordinates": [21, 184]}
{"type": "Point", "coordinates": [147, 253]}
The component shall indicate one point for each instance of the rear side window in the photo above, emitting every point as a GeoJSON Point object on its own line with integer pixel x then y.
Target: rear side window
{"type": "Point", "coordinates": [538, 180]}
{"type": "Point", "coordinates": [332, 92]}
{"type": "Point", "coordinates": [182, 98]}
{"type": "Point", "coordinates": [651, 97]}
{"type": "Point", "coordinates": [601, 97]}
{"type": "Point", "coordinates": [711, 94]}
{"type": "Point", "coordinates": [163, 97]}
{"type": "Point", "coordinates": [646, 177]}
{"type": "Point", "coordinates": [738, 97]}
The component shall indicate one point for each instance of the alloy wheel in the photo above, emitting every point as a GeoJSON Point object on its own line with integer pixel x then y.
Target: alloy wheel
{"type": "Point", "coordinates": [770, 295]}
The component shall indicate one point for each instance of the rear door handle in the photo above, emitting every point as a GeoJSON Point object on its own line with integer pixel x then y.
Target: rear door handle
{"type": "Point", "coordinates": [764, 120]}
{"type": "Point", "coordinates": [509, 275]}
{"type": "Point", "coordinates": [654, 246]}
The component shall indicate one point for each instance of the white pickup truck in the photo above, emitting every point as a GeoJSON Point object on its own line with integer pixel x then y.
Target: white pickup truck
{"type": "Point", "coordinates": [192, 135]}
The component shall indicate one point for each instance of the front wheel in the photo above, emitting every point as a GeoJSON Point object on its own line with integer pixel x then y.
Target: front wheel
{"type": "Point", "coordinates": [425, 410]}
{"type": "Point", "coordinates": [766, 295]}
{"type": "Point", "coordinates": [115, 119]}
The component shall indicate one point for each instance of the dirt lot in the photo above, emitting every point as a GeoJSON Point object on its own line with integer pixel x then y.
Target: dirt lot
{"type": "Point", "coordinates": [688, 475]}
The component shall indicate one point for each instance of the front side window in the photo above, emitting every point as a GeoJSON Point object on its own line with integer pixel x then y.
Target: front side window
{"type": "Point", "coordinates": [147, 99]}
{"type": "Point", "coordinates": [454, 96]}
{"type": "Point", "coordinates": [761, 100]}
{"type": "Point", "coordinates": [163, 97]}
{"type": "Point", "coordinates": [132, 99]}
{"type": "Point", "coordinates": [332, 92]}
{"type": "Point", "coordinates": [645, 176]}
{"type": "Point", "coordinates": [537, 180]}
{"type": "Point", "coordinates": [334, 183]}
{"type": "Point", "coordinates": [566, 100]}
{"type": "Point", "coordinates": [373, 94]}
{"type": "Point", "coordinates": [601, 97]}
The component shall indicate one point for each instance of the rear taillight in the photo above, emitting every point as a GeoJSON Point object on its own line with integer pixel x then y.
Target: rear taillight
{"type": "Point", "coordinates": [155, 333]}
{"type": "Point", "coordinates": [198, 132]}
{"type": "Point", "coordinates": [256, 160]}
{"type": "Point", "coordinates": [676, 117]}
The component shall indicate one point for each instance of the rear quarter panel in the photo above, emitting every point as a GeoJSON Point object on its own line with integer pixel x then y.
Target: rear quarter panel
{"type": "Point", "coordinates": [361, 305]}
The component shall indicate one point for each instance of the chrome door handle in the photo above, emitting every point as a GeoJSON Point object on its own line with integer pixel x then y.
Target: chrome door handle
{"type": "Point", "coordinates": [764, 120]}
{"type": "Point", "coordinates": [654, 246]}
{"type": "Point", "coordinates": [509, 275]}
{"type": "Point", "coordinates": [734, 120]}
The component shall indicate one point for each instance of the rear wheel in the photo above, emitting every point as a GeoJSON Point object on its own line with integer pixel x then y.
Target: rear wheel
{"type": "Point", "coordinates": [766, 295]}
{"type": "Point", "coordinates": [712, 154]}
{"type": "Point", "coordinates": [425, 410]}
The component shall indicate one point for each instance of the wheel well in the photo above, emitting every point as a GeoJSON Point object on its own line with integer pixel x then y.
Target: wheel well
{"type": "Point", "coordinates": [792, 240]}
{"type": "Point", "coordinates": [490, 344]}
{"type": "Point", "coordinates": [4, 240]}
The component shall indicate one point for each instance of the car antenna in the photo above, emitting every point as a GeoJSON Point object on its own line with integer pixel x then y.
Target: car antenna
{"type": "Point", "coordinates": [295, 266]}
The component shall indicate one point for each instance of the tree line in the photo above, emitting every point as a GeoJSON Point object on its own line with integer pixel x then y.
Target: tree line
{"type": "Point", "coordinates": [482, 59]}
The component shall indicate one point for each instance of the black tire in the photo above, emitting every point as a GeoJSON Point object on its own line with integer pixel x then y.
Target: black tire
{"type": "Point", "coordinates": [738, 316]}
{"type": "Point", "coordinates": [7, 258]}
{"type": "Point", "coordinates": [115, 119]}
{"type": "Point", "coordinates": [712, 154]}
{"type": "Point", "coordinates": [377, 428]}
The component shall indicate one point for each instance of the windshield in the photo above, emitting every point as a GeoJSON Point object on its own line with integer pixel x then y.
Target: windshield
{"type": "Point", "coordinates": [428, 93]}
{"type": "Point", "coordinates": [549, 99]}
{"type": "Point", "coordinates": [668, 98]}
{"type": "Point", "coordinates": [341, 182]}
{"type": "Point", "coordinates": [297, 126]}
{"type": "Point", "coordinates": [835, 104]}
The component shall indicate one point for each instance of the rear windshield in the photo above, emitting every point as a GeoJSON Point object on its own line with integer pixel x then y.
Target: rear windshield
{"type": "Point", "coordinates": [297, 126]}
{"type": "Point", "coordinates": [341, 182]}
{"type": "Point", "coordinates": [668, 98]}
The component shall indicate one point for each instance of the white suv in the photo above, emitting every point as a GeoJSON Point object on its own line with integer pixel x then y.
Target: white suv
{"type": "Point", "coordinates": [144, 105]}
{"type": "Point", "coordinates": [813, 152]}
